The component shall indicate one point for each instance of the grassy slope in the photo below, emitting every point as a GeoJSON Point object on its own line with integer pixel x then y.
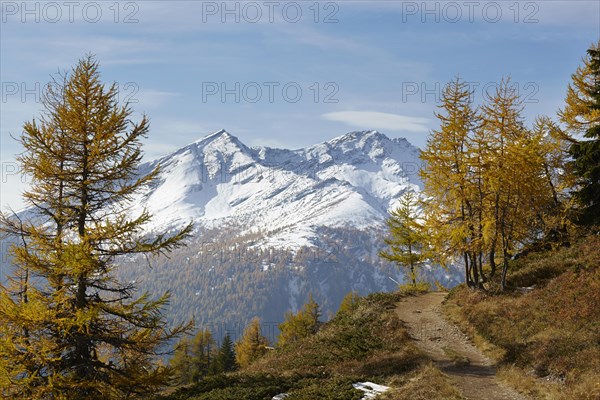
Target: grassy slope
{"type": "Point", "coordinates": [367, 344]}
{"type": "Point", "coordinates": [550, 332]}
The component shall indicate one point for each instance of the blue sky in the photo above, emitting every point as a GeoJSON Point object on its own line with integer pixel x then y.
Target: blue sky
{"type": "Point", "coordinates": [287, 74]}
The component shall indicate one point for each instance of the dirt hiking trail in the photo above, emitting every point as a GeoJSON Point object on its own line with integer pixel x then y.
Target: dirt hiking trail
{"type": "Point", "coordinates": [473, 373]}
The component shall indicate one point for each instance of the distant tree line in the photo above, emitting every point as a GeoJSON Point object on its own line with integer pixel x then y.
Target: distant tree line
{"type": "Point", "coordinates": [198, 357]}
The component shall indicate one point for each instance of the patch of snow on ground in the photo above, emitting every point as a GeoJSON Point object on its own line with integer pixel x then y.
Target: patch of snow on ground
{"type": "Point", "coordinates": [371, 389]}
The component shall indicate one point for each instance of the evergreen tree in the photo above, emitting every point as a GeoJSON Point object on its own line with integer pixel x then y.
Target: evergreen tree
{"type": "Point", "coordinates": [582, 116]}
{"type": "Point", "coordinates": [407, 236]}
{"type": "Point", "coordinates": [68, 327]}
{"type": "Point", "coordinates": [225, 360]}
{"type": "Point", "coordinates": [252, 345]}
{"type": "Point", "coordinates": [303, 324]}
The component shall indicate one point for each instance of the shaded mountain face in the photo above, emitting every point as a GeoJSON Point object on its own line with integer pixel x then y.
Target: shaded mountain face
{"type": "Point", "coordinates": [272, 226]}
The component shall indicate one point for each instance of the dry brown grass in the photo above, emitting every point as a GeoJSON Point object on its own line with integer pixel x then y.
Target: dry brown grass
{"type": "Point", "coordinates": [525, 383]}
{"type": "Point", "coordinates": [426, 383]}
{"type": "Point", "coordinates": [587, 386]}
{"type": "Point", "coordinates": [383, 363]}
{"type": "Point", "coordinates": [458, 359]}
{"type": "Point", "coordinates": [547, 339]}
{"type": "Point", "coordinates": [454, 313]}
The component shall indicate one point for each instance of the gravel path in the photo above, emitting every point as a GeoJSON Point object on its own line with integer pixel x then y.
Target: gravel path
{"type": "Point", "coordinates": [451, 350]}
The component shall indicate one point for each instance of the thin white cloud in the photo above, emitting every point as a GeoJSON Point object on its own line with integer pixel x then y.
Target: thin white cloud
{"type": "Point", "coordinates": [148, 98]}
{"type": "Point", "coordinates": [379, 120]}
{"type": "Point", "coordinates": [309, 35]}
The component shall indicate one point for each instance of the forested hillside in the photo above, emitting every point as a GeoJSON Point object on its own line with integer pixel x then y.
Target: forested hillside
{"type": "Point", "coordinates": [225, 281]}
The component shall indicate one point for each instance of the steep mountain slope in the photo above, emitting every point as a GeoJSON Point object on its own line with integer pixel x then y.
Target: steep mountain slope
{"type": "Point", "coordinates": [350, 181]}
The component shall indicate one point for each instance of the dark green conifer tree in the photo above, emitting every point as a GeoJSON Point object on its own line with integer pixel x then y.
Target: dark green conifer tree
{"type": "Point", "coordinates": [224, 360]}
{"type": "Point", "coordinates": [582, 115]}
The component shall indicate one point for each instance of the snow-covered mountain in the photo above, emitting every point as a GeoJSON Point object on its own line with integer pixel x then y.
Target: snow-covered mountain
{"type": "Point", "coordinates": [350, 181]}
{"type": "Point", "coordinates": [272, 226]}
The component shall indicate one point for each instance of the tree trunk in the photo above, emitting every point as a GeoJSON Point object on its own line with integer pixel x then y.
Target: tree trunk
{"type": "Point", "coordinates": [475, 270]}
{"type": "Point", "coordinates": [467, 271]}
{"type": "Point", "coordinates": [493, 260]}
{"type": "Point", "coordinates": [480, 266]}
{"type": "Point", "coordinates": [412, 267]}
{"type": "Point", "coordinates": [504, 269]}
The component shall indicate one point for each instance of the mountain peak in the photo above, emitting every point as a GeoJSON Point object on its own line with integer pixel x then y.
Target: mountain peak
{"type": "Point", "coordinates": [215, 135]}
{"type": "Point", "coordinates": [349, 181]}
{"type": "Point", "coordinates": [357, 136]}
{"type": "Point", "coordinates": [221, 140]}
